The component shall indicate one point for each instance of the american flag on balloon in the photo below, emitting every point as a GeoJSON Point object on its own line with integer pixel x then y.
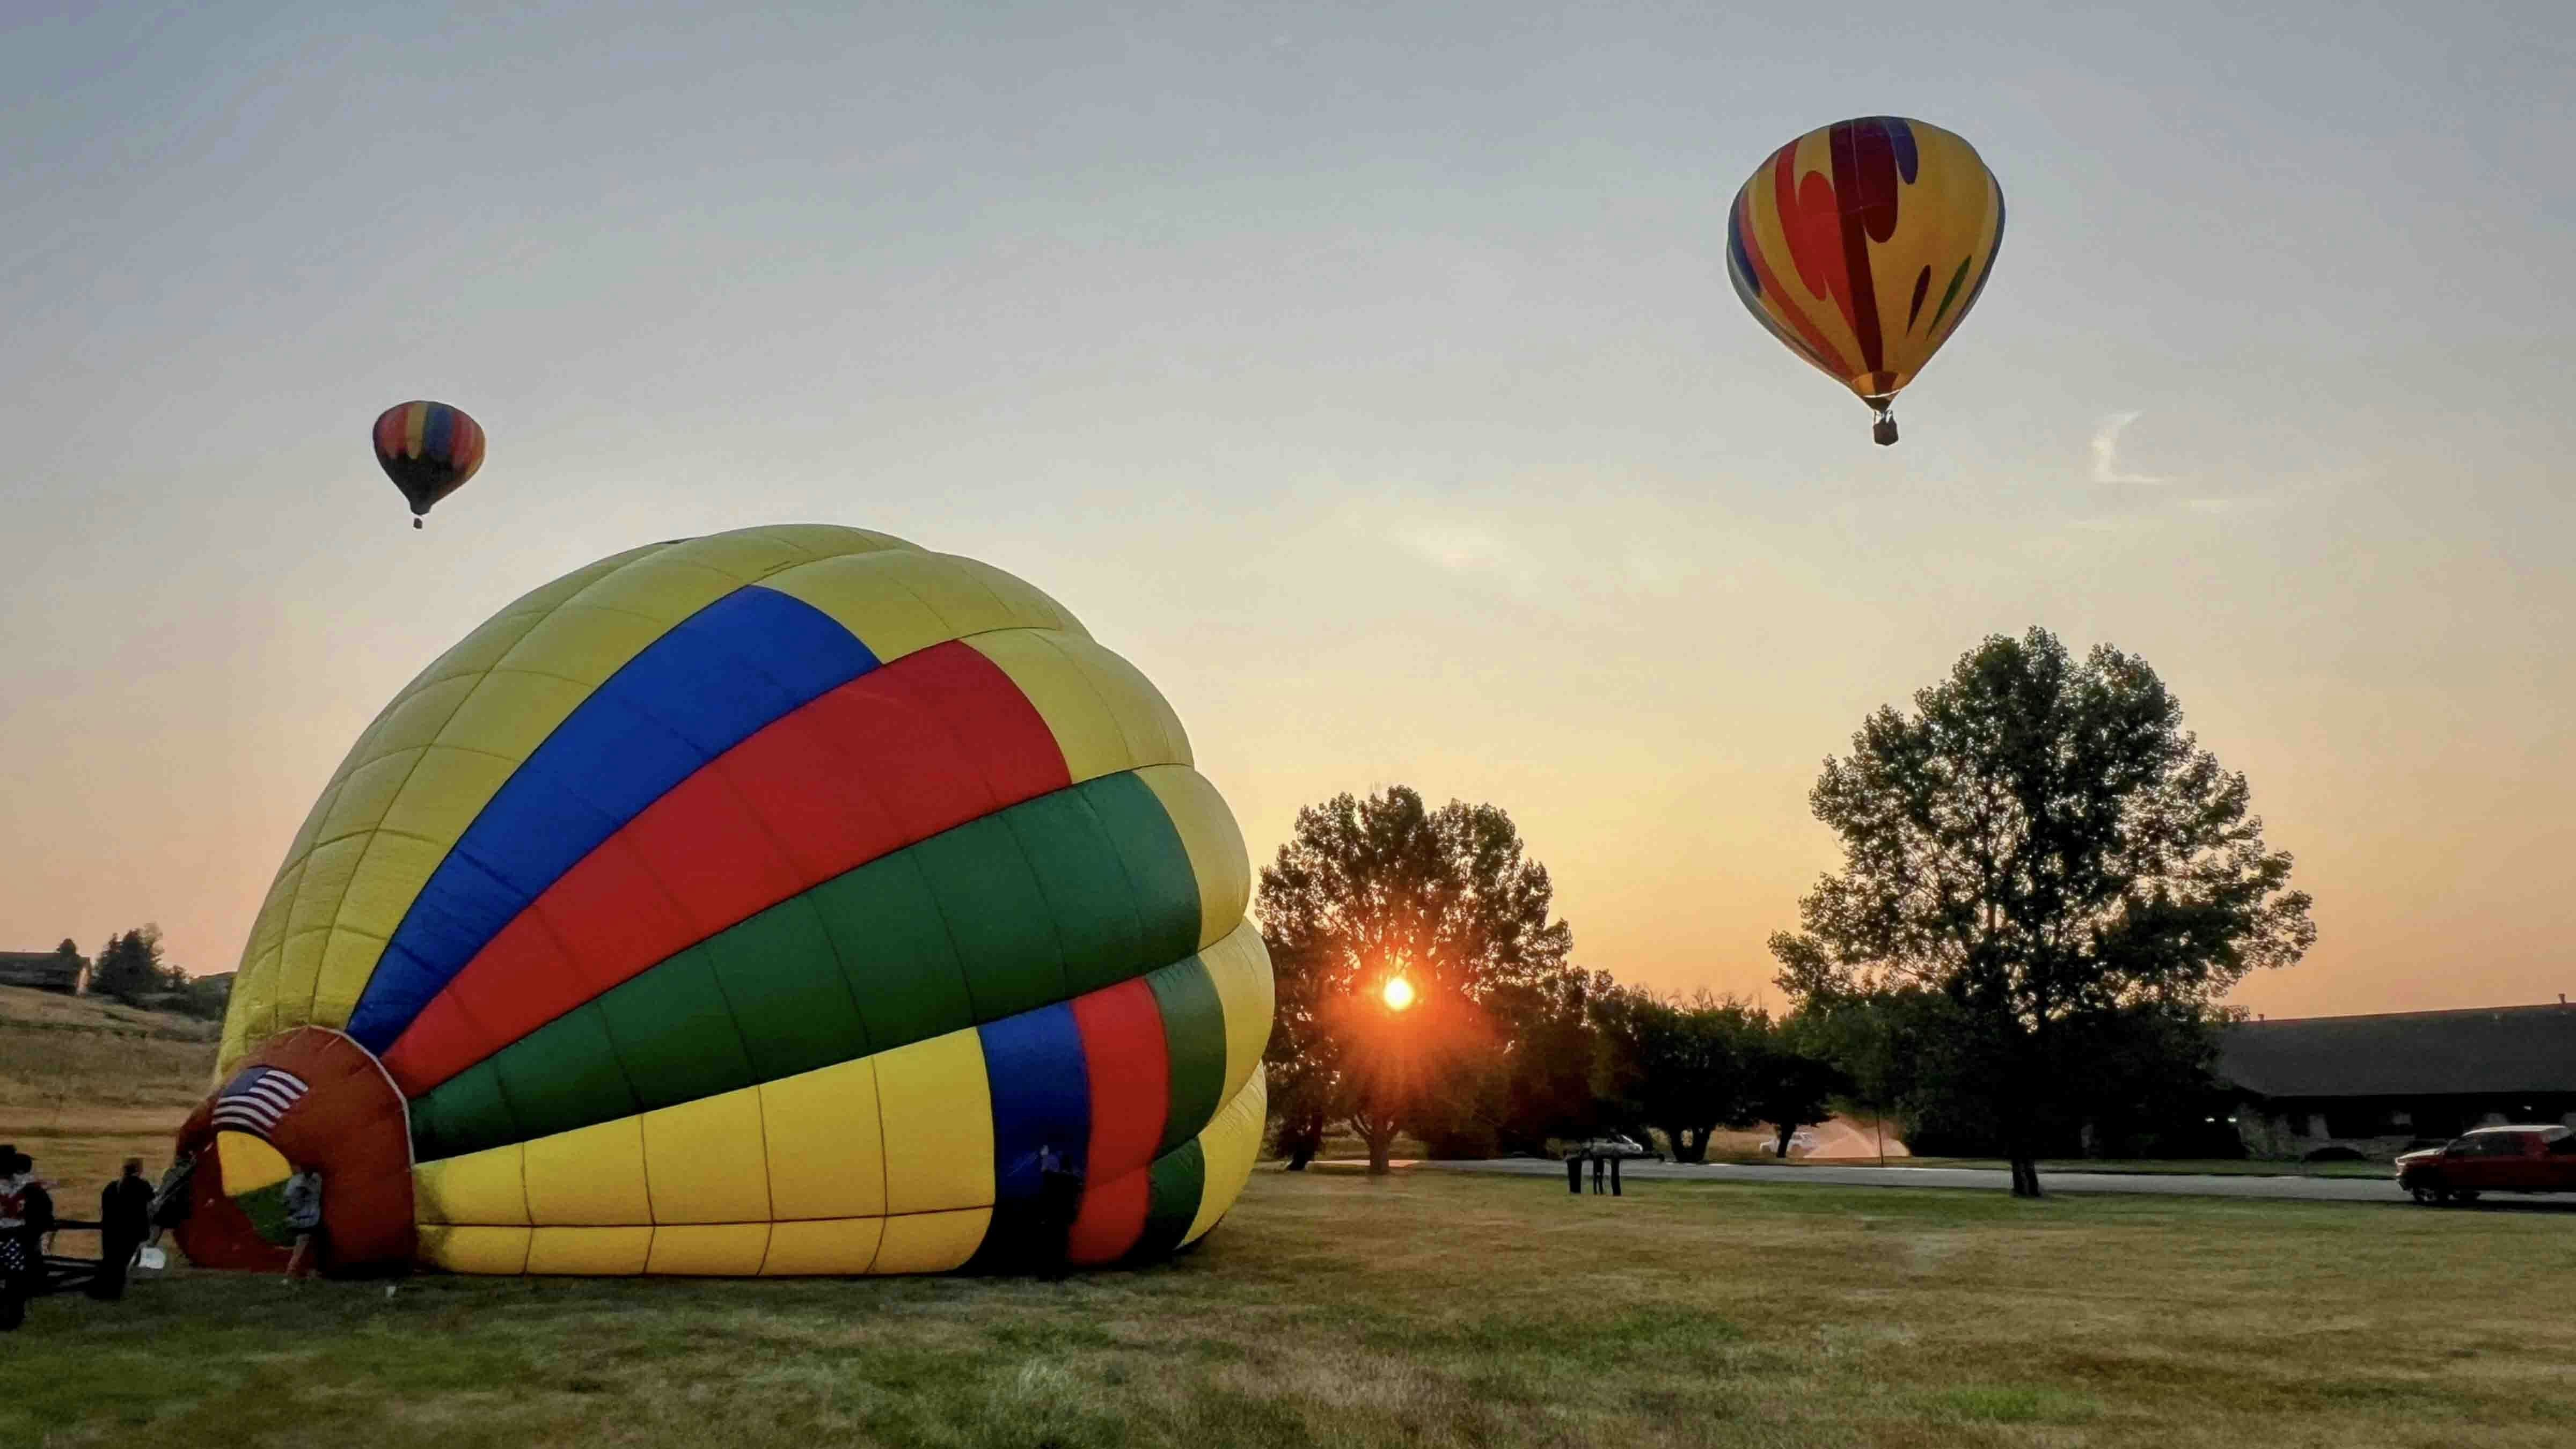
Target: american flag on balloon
{"type": "Point", "coordinates": [257, 1099]}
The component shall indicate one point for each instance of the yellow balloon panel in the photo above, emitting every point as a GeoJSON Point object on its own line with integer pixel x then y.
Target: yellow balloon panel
{"type": "Point", "coordinates": [1228, 1148]}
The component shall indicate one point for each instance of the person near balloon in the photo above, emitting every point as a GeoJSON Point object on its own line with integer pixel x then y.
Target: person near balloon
{"type": "Point", "coordinates": [124, 1221]}
{"type": "Point", "coordinates": [170, 1203]}
{"type": "Point", "coordinates": [36, 1210]}
{"type": "Point", "coordinates": [1059, 1200]}
{"type": "Point", "coordinates": [304, 1219]}
{"type": "Point", "coordinates": [15, 1285]}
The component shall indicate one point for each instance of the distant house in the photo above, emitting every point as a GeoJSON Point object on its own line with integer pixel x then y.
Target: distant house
{"type": "Point", "coordinates": [45, 971]}
{"type": "Point", "coordinates": [2377, 1085]}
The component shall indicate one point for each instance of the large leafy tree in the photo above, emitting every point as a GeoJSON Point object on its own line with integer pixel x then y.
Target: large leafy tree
{"type": "Point", "coordinates": [1371, 889]}
{"type": "Point", "coordinates": [2041, 844]}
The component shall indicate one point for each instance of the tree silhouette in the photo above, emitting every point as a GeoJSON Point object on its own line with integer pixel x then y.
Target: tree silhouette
{"type": "Point", "coordinates": [2042, 845]}
{"type": "Point", "coordinates": [1369, 889]}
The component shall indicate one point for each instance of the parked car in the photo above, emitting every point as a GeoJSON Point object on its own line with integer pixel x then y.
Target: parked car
{"type": "Point", "coordinates": [2492, 1159]}
{"type": "Point", "coordinates": [1615, 1145]}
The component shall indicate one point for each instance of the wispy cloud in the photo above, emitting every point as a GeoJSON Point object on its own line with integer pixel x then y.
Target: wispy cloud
{"type": "Point", "coordinates": [1607, 554]}
{"type": "Point", "coordinates": [1469, 548]}
{"type": "Point", "coordinates": [2106, 452]}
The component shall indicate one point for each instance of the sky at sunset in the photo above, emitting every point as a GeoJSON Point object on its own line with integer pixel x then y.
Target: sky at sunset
{"type": "Point", "coordinates": [1367, 374]}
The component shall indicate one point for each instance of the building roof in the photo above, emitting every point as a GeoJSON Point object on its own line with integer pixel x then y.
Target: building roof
{"type": "Point", "coordinates": [18, 967]}
{"type": "Point", "coordinates": [2481, 1051]}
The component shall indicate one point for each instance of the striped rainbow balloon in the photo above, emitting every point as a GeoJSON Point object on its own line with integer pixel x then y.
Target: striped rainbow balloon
{"type": "Point", "coordinates": [763, 903]}
{"type": "Point", "coordinates": [429, 449]}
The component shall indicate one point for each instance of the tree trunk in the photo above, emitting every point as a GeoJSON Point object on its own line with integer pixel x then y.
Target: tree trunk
{"type": "Point", "coordinates": [1380, 1132]}
{"type": "Point", "coordinates": [1781, 1148]}
{"type": "Point", "coordinates": [1298, 1158]}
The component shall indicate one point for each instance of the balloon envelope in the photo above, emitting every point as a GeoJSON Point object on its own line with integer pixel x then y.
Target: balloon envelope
{"type": "Point", "coordinates": [786, 901]}
{"type": "Point", "coordinates": [429, 449]}
{"type": "Point", "coordinates": [1861, 245]}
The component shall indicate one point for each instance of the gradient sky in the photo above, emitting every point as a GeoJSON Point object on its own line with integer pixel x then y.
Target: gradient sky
{"type": "Point", "coordinates": [1367, 374]}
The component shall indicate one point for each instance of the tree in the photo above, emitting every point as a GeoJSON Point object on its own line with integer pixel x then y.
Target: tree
{"type": "Point", "coordinates": [1690, 1063]}
{"type": "Point", "coordinates": [1552, 1059]}
{"type": "Point", "coordinates": [2041, 845]}
{"type": "Point", "coordinates": [131, 967]}
{"type": "Point", "coordinates": [1790, 1086]}
{"type": "Point", "coordinates": [1370, 890]}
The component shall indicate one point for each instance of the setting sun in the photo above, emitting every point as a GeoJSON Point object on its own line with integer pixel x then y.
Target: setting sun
{"type": "Point", "coordinates": [1398, 993]}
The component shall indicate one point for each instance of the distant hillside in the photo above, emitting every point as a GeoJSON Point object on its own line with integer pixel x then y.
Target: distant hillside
{"type": "Point", "coordinates": [23, 1008]}
{"type": "Point", "coordinates": [85, 1082]}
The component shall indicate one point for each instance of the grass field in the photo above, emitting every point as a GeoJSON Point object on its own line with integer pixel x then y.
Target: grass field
{"type": "Point", "coordinates": [1420, 1310]}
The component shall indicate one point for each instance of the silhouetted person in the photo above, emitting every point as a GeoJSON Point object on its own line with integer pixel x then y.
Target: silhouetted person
{"type": "Point", "coordinates": [36, 1208]}
{"type": "Point", "coordinates": [304, 1219]}
{"type": "Point", "coordinates": [124, 1221]}
{"type": "Point", "coordinates": [1614, 1177]}
{"type": "Point", "coordinates": [1059, 1199]}
{"type": "Point", "coordinates": [15, 1285]}
{"type": "Point", "coordinates": [1600, 1172]}
{"type": "Point", "coordinates": [1574, 1173]}
{"type": "Point", "coordinates": [170, 1202]}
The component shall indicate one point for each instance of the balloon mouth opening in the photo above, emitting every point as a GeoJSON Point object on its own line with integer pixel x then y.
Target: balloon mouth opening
{"type": "Point", "coordinates": [310, 1097]}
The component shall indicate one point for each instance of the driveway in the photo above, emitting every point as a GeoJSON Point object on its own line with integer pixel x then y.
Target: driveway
{"type": "Point", "coordinates": [2302, 1189]}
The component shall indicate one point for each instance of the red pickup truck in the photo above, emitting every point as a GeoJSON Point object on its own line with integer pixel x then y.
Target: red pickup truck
{"type": "Point", "coordinates": [2492, 1159]}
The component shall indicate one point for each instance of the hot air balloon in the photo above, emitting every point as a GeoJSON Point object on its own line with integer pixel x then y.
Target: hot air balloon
{"type": "Point", "coordinates": [1862, 244]}
{"type": "Point", "coordinates": [429, 449]}
{"type": "Point", "coordinates": [786, 901]}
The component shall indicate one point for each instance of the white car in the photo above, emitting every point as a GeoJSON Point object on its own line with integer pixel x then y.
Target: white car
{"type": "Point", "coordinates": [1615, 1146]}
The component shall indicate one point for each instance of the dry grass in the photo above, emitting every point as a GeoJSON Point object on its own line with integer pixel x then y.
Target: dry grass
{"type": "Point", "coordinates": [21, 1005]}
{"type": "Point", "coordinates": [86, 1083]}
{"type": "Point", "coordinates": [1431, 1310]}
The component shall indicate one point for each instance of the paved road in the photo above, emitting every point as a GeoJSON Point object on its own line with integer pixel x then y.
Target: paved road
{"type": "Point", "coordinates": [2307, 1189]}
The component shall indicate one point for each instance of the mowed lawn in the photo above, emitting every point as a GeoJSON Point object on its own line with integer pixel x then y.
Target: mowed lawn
{"type": "Point", "coordinates": [1330, 1309]}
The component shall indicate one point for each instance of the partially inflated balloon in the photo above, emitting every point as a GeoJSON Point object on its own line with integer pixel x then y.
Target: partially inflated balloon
{"type": "Point", "coordinates": [429, 449]}
{"type": "Point", "coordinates": [1862, 244]}
{"type": "Point", "coordinates": [786, 901]}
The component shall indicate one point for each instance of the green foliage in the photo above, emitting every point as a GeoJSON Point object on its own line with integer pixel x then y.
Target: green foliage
{"type": "Point", "coordinates": [1685, 1066]}
{"type": "Point", "coordinates": [132, 967]}
{"type": "Point", "coordinates": [1792, 1086]}
{"type": "Point", "coordinates": [2039, 860]}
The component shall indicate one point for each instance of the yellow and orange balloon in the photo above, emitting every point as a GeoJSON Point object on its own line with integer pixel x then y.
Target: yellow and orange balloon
{"type": "Point", "coordinates": [1861, 245]}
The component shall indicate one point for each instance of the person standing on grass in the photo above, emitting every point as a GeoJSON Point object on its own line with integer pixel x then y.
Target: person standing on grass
{"type": "Point", "coordinates": [170, 1200]}
{"type": "Point", "coordinates": [124, 1220]}
{"type": "Point", "coordinates": [14, 1285]}
{"type": "Point", "coordinates": [1059, 1201]}
{"type": "Point", "coordinates": [36, 1211]}
{"type": "Point", "coordinates": [304, 1219]}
